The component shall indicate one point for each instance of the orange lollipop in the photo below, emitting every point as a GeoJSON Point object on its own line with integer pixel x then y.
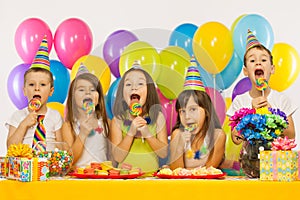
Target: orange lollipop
{"type": "Point", "coordinates": [34, 104]}
{"type": "Point", "coordinates": [135, 109]}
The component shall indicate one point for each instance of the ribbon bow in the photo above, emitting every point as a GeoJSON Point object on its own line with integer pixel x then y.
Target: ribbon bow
{"type": "Point", "coordinates": [284, 144]}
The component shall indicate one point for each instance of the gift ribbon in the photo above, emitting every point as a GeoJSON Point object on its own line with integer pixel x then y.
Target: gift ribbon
{"type": "Point", "coordinates": [275, 172]}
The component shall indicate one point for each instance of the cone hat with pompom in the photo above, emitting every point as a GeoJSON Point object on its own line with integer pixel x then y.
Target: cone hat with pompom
{"type": "Point", "coordinates": [251, 40]}
{"type": "Point", "coordinates": [41, 59]}
{"type": "Point", "coordinates": [82, 70]}
{"type": "Point", "coordinates": [193, 80]}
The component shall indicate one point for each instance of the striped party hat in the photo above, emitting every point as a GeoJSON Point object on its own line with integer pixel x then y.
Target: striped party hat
{"type": "Point", "coordinates": [41, 59]}
{"type": "Point", "coordinates": [82, 70]}
{"type": "Point", "coordinates": [193, 80]}
{"type": "Point", "coordinates": [251, 40]}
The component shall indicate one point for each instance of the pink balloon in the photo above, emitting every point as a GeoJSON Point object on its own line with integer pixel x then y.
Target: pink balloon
{"type": "Point", "coordinates": [169, 111]}
{"type": "Point", "coordinates": [72, 40]}
{"type": "Point", "coordinates": [218, 102]}
{"type": "Point", "coordinates": [28, 37]}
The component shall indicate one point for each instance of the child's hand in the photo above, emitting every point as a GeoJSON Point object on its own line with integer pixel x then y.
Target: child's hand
{"type": "Point", "coordinates": [137, 124]}
{"type": "Point", "coordinates": [30, 120]}
{"type": "Point", "coordinates": [260, 102]}
{"type": "Point", "coordinates": [187, 136]}
{"type": "Point", "coordinates": [86, 126]}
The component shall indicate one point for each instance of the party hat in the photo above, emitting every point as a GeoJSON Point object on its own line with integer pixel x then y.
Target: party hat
{"type": "Point", "coordinates": [136, 65]}
{"type": "Point", "coordinates": [41, 59]}
{"type": "Point", "coordinates": [193, 80]}
{"type": "Point", "coordinates": [251, 40]}
{"type": "Point", "coordinates": [82, 70]}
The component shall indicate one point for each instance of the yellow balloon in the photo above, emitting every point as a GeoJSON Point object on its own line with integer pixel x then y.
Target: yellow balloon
{"type": "Point", "coordinates": [232, 151]}
{"type": "Point", "coordinates": [170, 82]}
{"type": "Point", "coordinates": [57, 106]}
{"type": "Point", "coordinates": [96, 66]}
{"type": "Point", "coordinates": [213, 46]}
{"type": "Point", "coordinates": [287, 66]}
{"type": "Point", "coordinates": [142, 52]}
{"type": "Point", "coordinates": [176, 58]}
{"type": "Point", "coordinates": [228, 101]}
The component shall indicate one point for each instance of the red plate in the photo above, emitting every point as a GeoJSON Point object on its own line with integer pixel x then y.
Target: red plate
{"type": "Point", "coordinates": [211, 176]}
{"type": "Point", "coordinates": [94, 176]}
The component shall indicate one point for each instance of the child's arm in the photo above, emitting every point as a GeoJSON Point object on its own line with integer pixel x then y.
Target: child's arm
{"type": "Point", "coordinates": [16, 135]}
{"type": "Point", "coordinates": [120, 145]}
{"type": "Point", "coordinates": [176, 150]}
{"type": "Point", "coordinates": [218, 151]}
{"type": "Point", "coordinates": [290, 130]}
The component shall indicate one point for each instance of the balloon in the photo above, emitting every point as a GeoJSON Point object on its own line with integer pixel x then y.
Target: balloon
{"type": "Point", "coordinates": [108, 108]}
{"type": "Point", "coordinates": [96, 66]}
{"type": "Point", "coordinates": [15, 84]}
{"type": "Point", "coordinates": [287, 66]}
{"type": "Point", "coordinates": [114, 46]}
{"type": "Point", "coordinates": [213, 46]}
{"type": "Point", "coordinates": [61, 78]}
{"type": "Point", "coordinates": [145, 54]}
{"type": "Point", "coordinates": [218, 102]}
{"type": "Point", "coordinates": [72, 40]}
{"type": "Point", "coordinates": [235, 22]}
{"type": "Point", "coordinates": [230, 73]}
{"type": "Point", "coordinates": [169, 111]}
{"type": "Point", "coordinates": [28, 37]}
{"type": "Point", "coordinates": [170, 82]}
{"type": "Point", "coordinates": [182, 37]}
{"type": "Point", "coordinates": [244, 85]}
{"type": "Point", "coordinates": [57, 106]}
{"type": "Point", "coordinates": [176, 58]}
{"type": "Point", "coordinates": [112, 93]}
{"type": "Point", "coordinates": [260, 27]}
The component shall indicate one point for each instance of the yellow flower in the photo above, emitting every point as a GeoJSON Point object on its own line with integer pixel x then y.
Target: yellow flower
{"type": "Point", "coordinates": [263, 111]}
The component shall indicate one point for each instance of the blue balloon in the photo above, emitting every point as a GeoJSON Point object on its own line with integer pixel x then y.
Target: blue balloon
{"type": "Point", "coordinates": [61, 78]}
{"type": "Point", "coordinates": [230, 73]}
{"type": "Point", "coordinates": [112, 92]}
{"type": "Point", "coordinates": [182, 37]}
{"type": "Point", "coordinates": [260, 27]}
{"type": "Point", "coordinates": [108, 108]}
{"type": "Point", "coordinates": [15, 84]}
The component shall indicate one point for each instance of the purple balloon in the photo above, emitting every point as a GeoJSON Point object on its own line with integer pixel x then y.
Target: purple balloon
{"type": "Point", "coordinates": [244, 85]}
{"type": "Point", "coordinates": [113, 48]}
{"type": "Point", "coordinates": [15, 85]}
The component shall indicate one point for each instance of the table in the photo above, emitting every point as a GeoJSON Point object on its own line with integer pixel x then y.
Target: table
{"type": "Point", "coordinates": [150, 188]}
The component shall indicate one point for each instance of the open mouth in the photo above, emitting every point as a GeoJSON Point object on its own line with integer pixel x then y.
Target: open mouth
{"type": "Point", "coordinates": [135, 97]}
{"type": "Point", "coordinates": [37, 96]}
{"type": "Point", "coordinates": [87, 100]}
{"type": "Point", "coordinates": [259, 73]}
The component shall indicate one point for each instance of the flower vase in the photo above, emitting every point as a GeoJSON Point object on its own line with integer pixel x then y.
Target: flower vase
{"type": "Point", "coordinates": [249, 157]}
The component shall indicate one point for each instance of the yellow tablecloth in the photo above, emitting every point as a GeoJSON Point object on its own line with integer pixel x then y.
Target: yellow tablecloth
{"type": "Point", "coordinates": [228, 188]}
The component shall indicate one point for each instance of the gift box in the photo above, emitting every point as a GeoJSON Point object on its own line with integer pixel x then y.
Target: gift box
{"type": "Point", "coordinates": [278, 165]}
{"type": "Point", "coordinates": [3, 166]}
{"type": "Point", "coordinates": [28, 169]}
{"type": "Point", "coordinates": [298, 166]}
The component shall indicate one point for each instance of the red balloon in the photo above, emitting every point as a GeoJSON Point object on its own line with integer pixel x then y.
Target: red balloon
{"type": "Point", "coordinates": [169, 111]}
{"type": "Point", "coordinates": [28, 37]}
{"type": "Point", "coordinates": [72, 40]}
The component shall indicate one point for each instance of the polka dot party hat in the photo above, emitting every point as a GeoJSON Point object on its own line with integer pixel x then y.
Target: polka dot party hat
{"type": "Point", "coordinates": [41, 59]}
{"type": "Point", "coordinates": [193, 80]}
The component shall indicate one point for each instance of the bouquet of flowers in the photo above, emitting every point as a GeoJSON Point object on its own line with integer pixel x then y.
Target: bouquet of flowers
{"type": "Point", "coordinates": [264, 124]}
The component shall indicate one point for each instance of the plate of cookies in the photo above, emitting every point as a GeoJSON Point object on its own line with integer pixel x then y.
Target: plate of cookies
{"type": "Point", "coordinates": [196, 173]}
{"type": "Point", "coordinates": [105, 170]}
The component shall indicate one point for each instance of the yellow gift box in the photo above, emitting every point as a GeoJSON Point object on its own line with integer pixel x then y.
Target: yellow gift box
{"type": "Point", "coordinates": [278, 165]}
{"type": "Point", "coordinates": [3, 166]}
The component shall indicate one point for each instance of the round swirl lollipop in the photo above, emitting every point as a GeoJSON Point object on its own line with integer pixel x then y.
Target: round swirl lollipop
{"type": "Point", "coordinates": [261, 84]}
{"type": "Point", "coordinates": [34, 104]}
{"type": "Point", "coordinates": [88, 107]}
{"type": "Point", "coordinates": [135, 109]}
{"type": "Point", "coordinates": [190, 127]}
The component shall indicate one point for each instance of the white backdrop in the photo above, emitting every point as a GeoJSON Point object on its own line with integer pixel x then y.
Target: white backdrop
{"type": "Point", "coordinates": [106, 17]}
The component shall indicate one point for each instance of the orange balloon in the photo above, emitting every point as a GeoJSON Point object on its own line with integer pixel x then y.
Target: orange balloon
{"type": "Point", "coordinates": [213, 46]}
{"type": "Point", "coordinates": [287, 66]}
